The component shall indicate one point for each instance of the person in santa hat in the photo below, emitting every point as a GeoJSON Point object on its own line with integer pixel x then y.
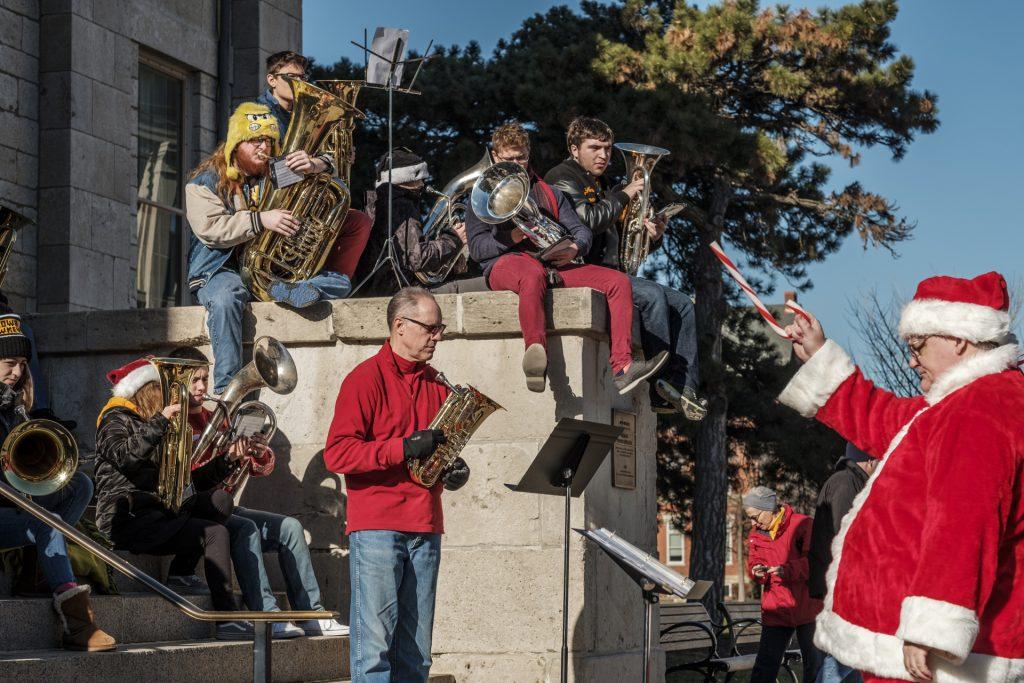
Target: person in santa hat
{"type": "Point", "coordinates": [927, 577]}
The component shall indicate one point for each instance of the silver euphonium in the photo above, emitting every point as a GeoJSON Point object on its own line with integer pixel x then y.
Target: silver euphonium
{"type": "Point", "coordinates": [449, 209]}
{"type": "Point", "coordinates": [502, 193]}
{"type": "Point", "coordinates": [634, 240]}
{"type": "Point", "coordinates": [271, 367]}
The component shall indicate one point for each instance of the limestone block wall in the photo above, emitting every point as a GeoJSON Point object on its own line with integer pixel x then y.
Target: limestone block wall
{"type": "Point", "coordinates": [498, 606]}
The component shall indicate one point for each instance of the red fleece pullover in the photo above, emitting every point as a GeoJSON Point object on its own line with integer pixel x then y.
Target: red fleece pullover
{"type": "Point", "coordinates": [383, 400]}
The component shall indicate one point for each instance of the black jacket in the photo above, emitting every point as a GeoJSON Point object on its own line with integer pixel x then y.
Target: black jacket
{"type": "Point", "coordinates": [487, 242]}
{"type": "Point", "coordinates": [413, 251]}
{"type": "Point", "coordinates": [597, 204]}
{"type": "Point", "coordinates": [834, 500]}
{"type": "Point", "coordinates": [10, 417]}
{"type": "Point", "coordinates": [128, 511]}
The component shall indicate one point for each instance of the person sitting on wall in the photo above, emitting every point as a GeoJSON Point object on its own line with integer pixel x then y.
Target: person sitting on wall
{"type": "Point", "coordinates": [71, 600]}
{"type": "Point", "coordinates": [220, 200]}
{"type": "Point", "coordinates": [254, 532]}
{"type": "Point", "coordinates": [355, 229]}
{"type": "Point", "coordinates": [413, 250]}
{"type": "Point", "coordinates": [510, 263]}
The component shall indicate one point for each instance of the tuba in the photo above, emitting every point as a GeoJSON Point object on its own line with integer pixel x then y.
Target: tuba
{"type": "Point", "coordinates": [10, 223]}
{"type": "Point", "coordinates": [502, 192]}
{"type": "Point", "coordinates": [462, 412]}
{"type": "Point", "coordinates": [38, 457]}
{"type": "Point", "coordinates": [271, 367]}
{"type": "Point", "coordinates": [174, 463]}
{"type": "Point", "coordinates": [634, 240]}
{"type": "Point", "coordinates": [236, 481]}
{"type": "Point", "coordinates": [339, 141]}
{"type": "Point", "coordinates": [319, 201]}
{"type": "Point", "coordinates": [449, 209]}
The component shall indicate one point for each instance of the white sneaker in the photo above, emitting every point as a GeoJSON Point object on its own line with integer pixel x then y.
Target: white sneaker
{"type": "Point", "coordinates": [323, 627]}
{"type": "Point", "coordinates": [286, 629]}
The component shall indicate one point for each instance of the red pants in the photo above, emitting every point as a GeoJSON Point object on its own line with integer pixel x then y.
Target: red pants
{"type": "Point", "coordinates": [872, 678]}
{"type": "Point", "coordinates": [349, 244]}
{"type": "Point", "coordinates": [525, 275]}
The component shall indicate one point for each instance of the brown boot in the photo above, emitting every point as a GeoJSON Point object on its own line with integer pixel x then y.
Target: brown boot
{"type": "Point", "coordinates": [78, 624]}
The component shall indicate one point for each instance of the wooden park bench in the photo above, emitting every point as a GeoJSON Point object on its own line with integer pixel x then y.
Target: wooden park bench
{"type": "Point", "coordinates": [686, 626]}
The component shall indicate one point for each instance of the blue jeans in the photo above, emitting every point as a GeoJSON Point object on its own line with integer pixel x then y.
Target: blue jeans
{"type": "Point", "coordinates": [254, 532]}
{"type": "Point", "coordinates": [394, 578]}
{"type": "Point", "coordinates": [668, 323]}
{"type": "Point", "coordinates": [832, 671]}
{"type": "Point", "coordinates": [18, 528]}
{"type": "Point", "coordinates": [224, 297]}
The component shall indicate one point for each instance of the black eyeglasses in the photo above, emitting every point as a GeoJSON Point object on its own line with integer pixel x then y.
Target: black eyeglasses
{"type": "Point", "coordinates": [432, 330]}
{"type": "Point", "coordinates": [300, 77]}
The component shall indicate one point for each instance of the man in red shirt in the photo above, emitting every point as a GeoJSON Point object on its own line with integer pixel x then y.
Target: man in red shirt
{"type": "Point", "coordinates": [394, 525]}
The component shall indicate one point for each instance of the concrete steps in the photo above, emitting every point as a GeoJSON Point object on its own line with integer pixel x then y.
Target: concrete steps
{"type": "Point", "coordinates": [300, 659]}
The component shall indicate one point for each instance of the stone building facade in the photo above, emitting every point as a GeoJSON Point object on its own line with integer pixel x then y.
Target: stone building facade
{"type": "Point", "coordinates": [104, 107]}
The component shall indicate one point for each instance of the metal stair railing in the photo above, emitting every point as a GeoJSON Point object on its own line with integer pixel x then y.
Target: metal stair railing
{"type": "Point", "coordinates": [261, 646]}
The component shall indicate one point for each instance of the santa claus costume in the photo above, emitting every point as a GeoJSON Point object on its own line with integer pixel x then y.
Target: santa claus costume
{"type": "Point", "coordinates": [932, 551]}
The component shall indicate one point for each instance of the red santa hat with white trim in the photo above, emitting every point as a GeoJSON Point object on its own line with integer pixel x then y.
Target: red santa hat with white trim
{"type": "Point", "coordinates": [976, 310]}
{"type": "Point", "coordinates": [129, 378]}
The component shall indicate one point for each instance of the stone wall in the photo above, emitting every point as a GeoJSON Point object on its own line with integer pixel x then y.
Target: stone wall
{"type": "Point", "coordinates": [498, 614]}
{"type": "Point", "coordinates": [69, 121]}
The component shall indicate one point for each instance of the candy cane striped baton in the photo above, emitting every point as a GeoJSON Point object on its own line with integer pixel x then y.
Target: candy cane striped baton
{"type": "Point", "coordinates": [731, 268]}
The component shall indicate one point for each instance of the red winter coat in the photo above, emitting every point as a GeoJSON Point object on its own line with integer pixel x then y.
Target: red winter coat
{"type": "Point", "coordinates": [785, 600]}
{"type": "Point", "coordinates": [382, 401]}
{"type": "Point", "coordinates": [932, 551]}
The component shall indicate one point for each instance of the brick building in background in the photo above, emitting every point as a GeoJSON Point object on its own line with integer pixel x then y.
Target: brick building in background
{"type": "Point", "coordinates": [104, 107]}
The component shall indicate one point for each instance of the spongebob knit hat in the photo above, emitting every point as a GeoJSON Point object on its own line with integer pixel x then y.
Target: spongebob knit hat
{"type": "Point", "coordinates": [248, 122]}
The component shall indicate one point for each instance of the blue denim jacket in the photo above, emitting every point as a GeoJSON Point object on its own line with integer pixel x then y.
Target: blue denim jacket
{"type": "Point", "coordinates": [204, 261]}
{"type": "Point", "coordinates": [283, 117]}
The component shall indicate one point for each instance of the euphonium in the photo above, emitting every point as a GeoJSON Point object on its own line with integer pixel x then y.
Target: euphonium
{"type": "Point", "coordinates": [38, 457]}
{"type": "Point", "coordinates": [502, 193]}
{"type": "Point", "coordinates": [271, 367]}
{"type": "Point", "coordinates": [339, 141]}
{"type": "Point", "coordinates": [174, 479]}
{"type": "Point", "coordinates": [462, 412]}
{"type": "Point", "coordinates": [634, 240]}
{"type": "Point", "coordinates": [10, 223]}
{"type": "Point", "coordinates": [236, 481]}
{"type": "Point", "coordinates": [450, 208]}
{"type": "Point", "coordinates": [319, 201]}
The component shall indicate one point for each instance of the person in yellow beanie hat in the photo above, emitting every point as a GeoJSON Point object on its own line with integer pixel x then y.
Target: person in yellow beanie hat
{"type": "Point", "coordinates": [221, 199]}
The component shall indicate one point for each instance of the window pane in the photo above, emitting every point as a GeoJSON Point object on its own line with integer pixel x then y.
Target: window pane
{"type": "Point", "coordinates": [675, 545]}
{"type": "Point", "coordinates": [158, 280]}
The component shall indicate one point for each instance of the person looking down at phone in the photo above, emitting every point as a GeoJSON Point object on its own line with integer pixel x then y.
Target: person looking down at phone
{"type": "Point", "coordinates": [511, 263]}
{"type": "Point", "coordinates": [777, 550]}
{"type": "Point", "coordinates": [667, 320]}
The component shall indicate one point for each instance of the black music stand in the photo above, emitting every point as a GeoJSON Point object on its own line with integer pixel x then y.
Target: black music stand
{"type": "Point", "coordinates": [564, 466]}
{"type": "Point", "coordinates": [651, 575]}
{"type": "Point", "coordinates": [392, 85]}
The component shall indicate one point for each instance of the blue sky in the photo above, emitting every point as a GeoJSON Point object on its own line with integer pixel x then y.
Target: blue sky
{"type": "Point", "coordinates": [961, 184]}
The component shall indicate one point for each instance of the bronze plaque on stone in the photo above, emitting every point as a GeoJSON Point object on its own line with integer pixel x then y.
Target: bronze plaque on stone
{"type": "Point", "coordinates": [624, 452]}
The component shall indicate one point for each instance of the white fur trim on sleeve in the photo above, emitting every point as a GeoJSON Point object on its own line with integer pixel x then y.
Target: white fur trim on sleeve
{"type": "Point", "coordinates": [940, 625]}
{"type": "Point", "coordinates": [817, 380]}
{"type": "Point", "coordinates": [135, 380]}
{"type": "Point", "coordinates": [957, 319]}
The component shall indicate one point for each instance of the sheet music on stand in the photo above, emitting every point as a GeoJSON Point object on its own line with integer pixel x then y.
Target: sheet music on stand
{"type": "Point", "coordinates": [387, 52]}
{"type": "Point", "coordinates": [629, 556]}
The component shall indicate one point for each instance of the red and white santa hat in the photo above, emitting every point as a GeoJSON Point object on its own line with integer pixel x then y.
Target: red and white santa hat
{"type": "Point", "coordinates": [128, 379]}
{"type": "Point", "coordinates": [976, 310]}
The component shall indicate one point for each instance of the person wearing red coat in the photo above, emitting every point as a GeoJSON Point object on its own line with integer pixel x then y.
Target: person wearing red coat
{"type": "Point", "coordinates": [394, 525]}
{"type": "Point", "coordinates": [927, 577]}
{"type": "Point", "coordinates": [777, 551]}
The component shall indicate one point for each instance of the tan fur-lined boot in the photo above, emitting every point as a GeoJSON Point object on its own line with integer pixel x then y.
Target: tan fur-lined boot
{"type": "Point", "coordinates": [78, 624]}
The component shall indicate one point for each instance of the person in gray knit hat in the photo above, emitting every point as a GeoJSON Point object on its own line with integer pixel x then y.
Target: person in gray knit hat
{"type": "Point", "coordinates": [777, 551]}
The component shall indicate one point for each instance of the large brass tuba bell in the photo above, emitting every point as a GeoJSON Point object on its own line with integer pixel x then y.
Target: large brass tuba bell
{"type": "Point", "coordinates": [339, 142]}
{"type": "Point", "coordinates": [38, 457]}
{"type": "Point", "coordinates": [634, 240]}
{"type": "Point", "coordinates": [10, 223]}
{"type": "Point", "coordinates": [319, 202]}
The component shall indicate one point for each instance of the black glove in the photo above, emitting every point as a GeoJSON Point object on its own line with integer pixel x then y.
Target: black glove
{"type": "Point", "coordinates": [422, 443]}
{"type": "Point", "coordinates": [456, 476]}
